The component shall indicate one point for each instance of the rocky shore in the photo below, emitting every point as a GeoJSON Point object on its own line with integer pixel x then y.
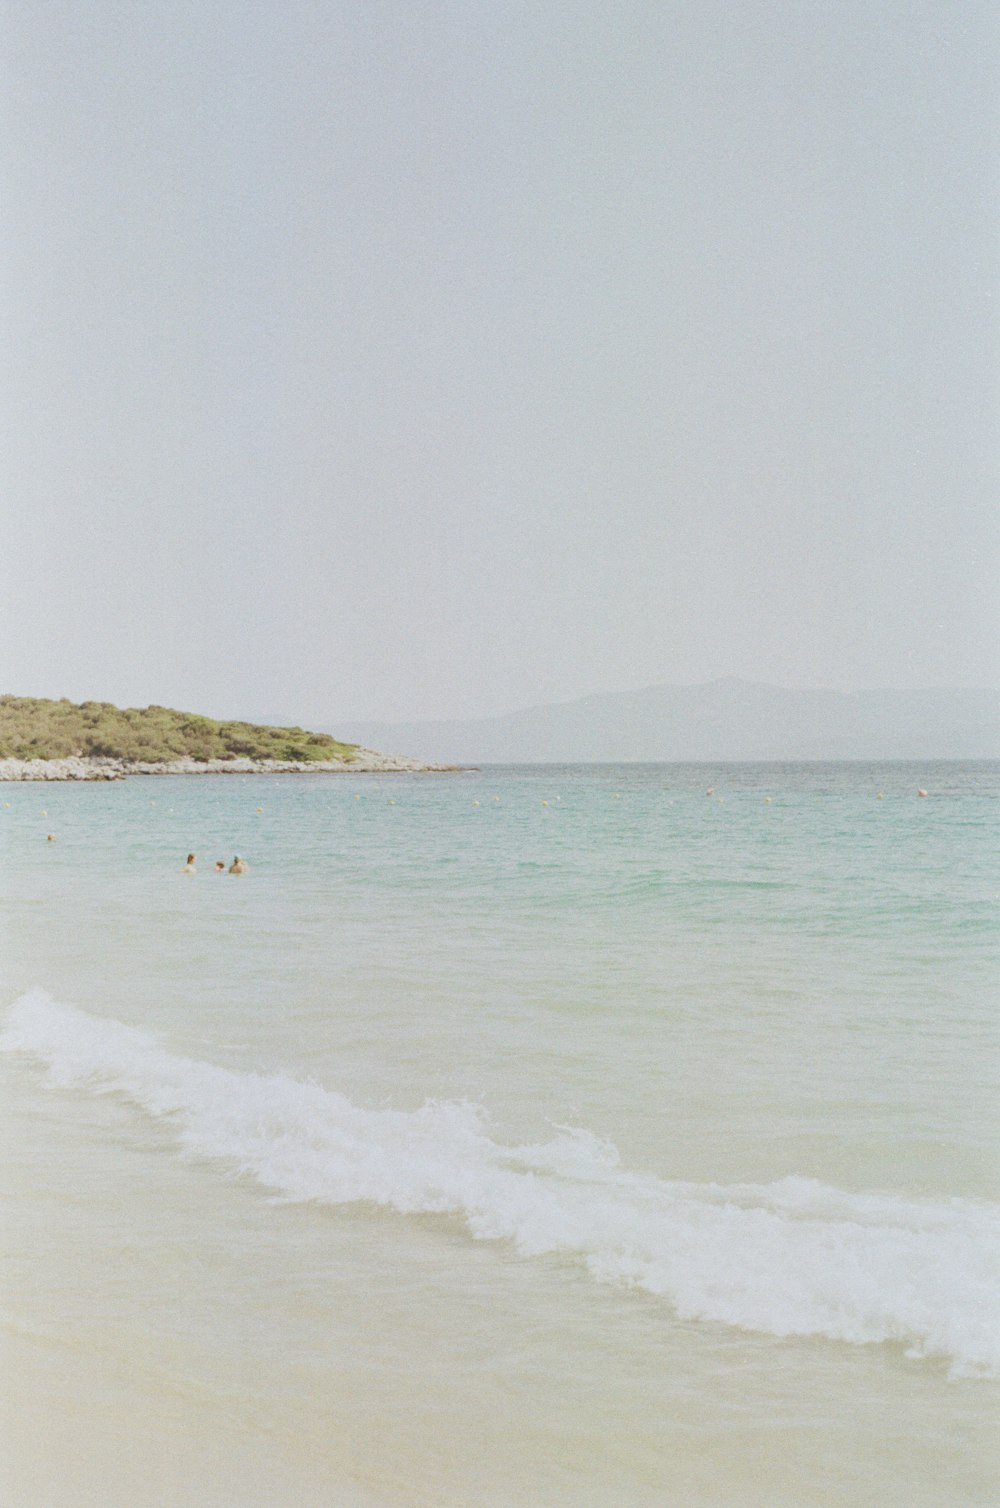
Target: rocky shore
{"type": "Point", "coordinates": [364, 762]}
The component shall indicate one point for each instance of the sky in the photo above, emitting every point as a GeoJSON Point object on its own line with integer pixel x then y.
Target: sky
{"type": "Point", "coordinates": [439, 357]}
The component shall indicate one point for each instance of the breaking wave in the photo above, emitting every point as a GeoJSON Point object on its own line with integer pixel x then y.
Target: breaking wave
{"type": "Point", "coordinates": [789, 1258]}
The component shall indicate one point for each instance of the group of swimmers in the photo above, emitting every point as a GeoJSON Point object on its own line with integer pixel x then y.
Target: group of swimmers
{"type": "Point", "coordinates": [238, 866]}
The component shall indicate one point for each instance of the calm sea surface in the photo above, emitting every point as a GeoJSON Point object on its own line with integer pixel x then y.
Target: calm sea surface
{"type": "Point", "coordinates": [606, 1135]}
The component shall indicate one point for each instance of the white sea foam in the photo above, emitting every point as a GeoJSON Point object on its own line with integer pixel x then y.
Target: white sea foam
{"type": "Point", "coordinates": [788, 1258]}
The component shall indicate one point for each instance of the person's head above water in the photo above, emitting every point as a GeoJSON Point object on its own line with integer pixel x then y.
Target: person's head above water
{"type": "Point", "coordinates": [220, 863]}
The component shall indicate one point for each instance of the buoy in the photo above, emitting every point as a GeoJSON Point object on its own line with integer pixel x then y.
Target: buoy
{"type": "Point", "coordinates": [392, 803]}
{"type": "Point", "coordinates": [545, 803]}
{"type": "Point", "coordinates": [475, 803]}
{"type": "Point", "coordinates": [880, 797]}
{"type": "Point", "coordinates": [260, 808]}
{"type": "Point", "coordinates": [921, 793]}
{"type": "Point", "coordinates": [44, 812]}
{"type": "Point", "coordinates": [357, 797]}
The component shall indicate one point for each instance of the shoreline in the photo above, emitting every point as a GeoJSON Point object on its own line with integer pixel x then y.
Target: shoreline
{"type": "Point", "coordinates": [78, 767]}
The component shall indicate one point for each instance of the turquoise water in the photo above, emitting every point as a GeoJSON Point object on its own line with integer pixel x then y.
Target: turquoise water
{"type": "Point", "coordinates": [523, 1136]}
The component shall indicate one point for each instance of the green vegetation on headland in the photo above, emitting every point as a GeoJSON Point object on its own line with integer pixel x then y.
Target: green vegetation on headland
{"type": "Point", "coordinates": [34, 728]}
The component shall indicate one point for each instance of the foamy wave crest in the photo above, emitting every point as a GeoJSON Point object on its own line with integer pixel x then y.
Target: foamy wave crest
{"type": "Point", "coordinates": [787, 1258]}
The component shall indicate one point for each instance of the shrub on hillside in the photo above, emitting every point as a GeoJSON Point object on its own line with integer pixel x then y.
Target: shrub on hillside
{"type": "Point", "coordinates": [34, 728]}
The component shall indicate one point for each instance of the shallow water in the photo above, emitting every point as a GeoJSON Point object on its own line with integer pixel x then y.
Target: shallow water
{"type": "Point", "coordinates": [526, 1136]}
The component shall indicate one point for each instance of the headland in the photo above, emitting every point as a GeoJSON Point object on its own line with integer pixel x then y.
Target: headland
{"type": "Point", "coordinates": [61, 740]}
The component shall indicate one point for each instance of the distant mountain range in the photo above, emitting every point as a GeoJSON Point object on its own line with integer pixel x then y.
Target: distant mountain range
{"type": "Point", "coordinates": [723, 720]}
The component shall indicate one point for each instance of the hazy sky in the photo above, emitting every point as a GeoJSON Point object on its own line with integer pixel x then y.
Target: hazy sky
{"type": "Point", "coordinates": [431, 359]}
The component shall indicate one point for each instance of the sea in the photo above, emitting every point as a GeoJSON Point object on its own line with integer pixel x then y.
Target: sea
{"type": "Point", "coordinates": [528, 1137]}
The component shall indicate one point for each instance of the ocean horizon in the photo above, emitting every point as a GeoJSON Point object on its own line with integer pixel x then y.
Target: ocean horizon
{"type": "Point", "coordinates": [577, 1135]}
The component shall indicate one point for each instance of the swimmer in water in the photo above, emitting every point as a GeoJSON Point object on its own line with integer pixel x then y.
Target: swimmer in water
{"type": "Point", "coordinates": [238, 866]}
{"type": "Point", "coordinates": [220, 865]}
{"type": "Point", "coordinates": [189, 866]}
